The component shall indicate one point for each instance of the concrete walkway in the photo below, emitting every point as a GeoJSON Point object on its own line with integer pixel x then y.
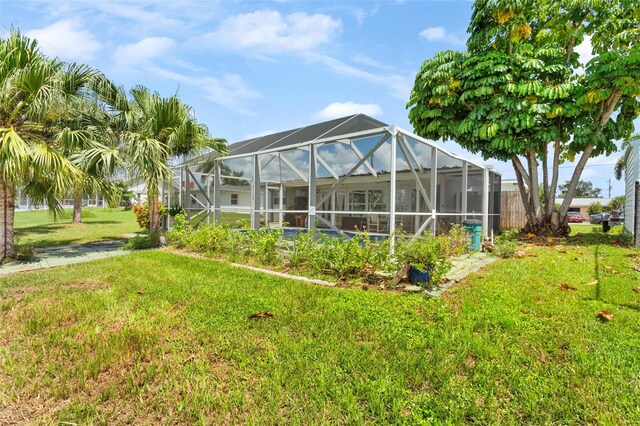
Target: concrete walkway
{"type": "Point", "coordinates": [51, 257]}
{"type": "Point", "coordinates": [462, 267]}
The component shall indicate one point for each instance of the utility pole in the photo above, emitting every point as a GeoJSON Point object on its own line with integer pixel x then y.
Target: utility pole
{"type": "Point", "coordinates": [609, 188]}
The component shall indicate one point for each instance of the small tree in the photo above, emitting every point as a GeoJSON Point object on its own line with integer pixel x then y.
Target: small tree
{"type": "Point", "coordinates": [152, 129]}
{"type": "Point", "coordinates": [595, 208]}
{"type": "Point", "coordinates": [583, 190]}
{"type": "Point", "coordinates": [616, 204]}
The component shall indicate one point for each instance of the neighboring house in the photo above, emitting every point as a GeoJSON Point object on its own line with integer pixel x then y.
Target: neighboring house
{"type": "Point", "coordinates": [631, 176]}
{"type": "Point", "coordinates": [581, 205]}
{"type": "Point", "coordinates": [510, 185]}
{"type": "Point", "coordinates": [23, 202]}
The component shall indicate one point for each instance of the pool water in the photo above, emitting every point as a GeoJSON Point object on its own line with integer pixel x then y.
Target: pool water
{"type": "Point", "coordinates": [291, 233]}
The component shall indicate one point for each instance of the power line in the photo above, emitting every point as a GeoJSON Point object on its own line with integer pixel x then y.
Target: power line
{"type": "Point", "coordinates": [567, 167]}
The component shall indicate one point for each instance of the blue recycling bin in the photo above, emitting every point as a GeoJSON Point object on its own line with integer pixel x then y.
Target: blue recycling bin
{"type": "Point", "coordinates": [474, 229]}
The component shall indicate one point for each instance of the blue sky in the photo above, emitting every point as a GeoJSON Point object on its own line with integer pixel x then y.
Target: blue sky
{"type": "Point", "coordinates": [250, 67]}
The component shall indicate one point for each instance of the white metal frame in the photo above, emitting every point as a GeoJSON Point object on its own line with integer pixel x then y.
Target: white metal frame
{"type": "Point", "coordinates": [399, 146]}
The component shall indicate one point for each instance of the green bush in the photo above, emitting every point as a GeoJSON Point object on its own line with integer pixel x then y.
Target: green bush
{"type": "Point", "coordinates": [299, 252]}
{"type": "Point", "coordinates": [344, 258]}
{"type": "Point", "coordinates": [455, 242]}
{"type": "Point", "coordinates": [505, 244]}
{"type": "Point", "coordinates": [263, 245]}
{"type": "Point", "coordinates": [180, 231]}
{"type": "Point", "coordinates": [426, 253]}
{"type": "Point", "coordinates": [142, 242]}
{"type": "Point", "coordinates": [207, 239]}
{"type": "Point", "coordinates": [594, 208]}
{"type": "Point", "coordinates": [337, 256]}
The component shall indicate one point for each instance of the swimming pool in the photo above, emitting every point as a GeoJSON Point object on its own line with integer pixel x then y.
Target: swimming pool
{"type": "Point", "coordinates": [291, 233]}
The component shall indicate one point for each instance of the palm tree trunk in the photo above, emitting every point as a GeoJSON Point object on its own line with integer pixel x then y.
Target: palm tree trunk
{"type": "Point", "coordinates": [7, 210]}
{"type": "Point", "coordinates": [154, 212]}
{"type": "Point", "coordinates": [77, 207]}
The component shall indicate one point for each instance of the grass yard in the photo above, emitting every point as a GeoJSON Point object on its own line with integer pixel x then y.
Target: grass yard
{"type": "Point", "coordinates": [39, 229]}
{"type": "Point", "coordinates": [81, 345]}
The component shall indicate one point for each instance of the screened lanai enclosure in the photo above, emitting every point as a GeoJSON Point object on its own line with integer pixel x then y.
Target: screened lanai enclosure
{"type": "Point", "coordinates": [343, 175]}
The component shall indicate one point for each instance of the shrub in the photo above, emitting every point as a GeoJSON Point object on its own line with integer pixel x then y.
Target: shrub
{"type": "Point", "coordinates": [207, 239]}
{"type": "Point", "coordinates": [235, 245]}
{"type": "Point", "coordinates": [175, 210]}
{"type": "Point", "coordinates": [299, 251]}
{"type": "Point", "coordinates": [455, 242]}
{"type": "Point", "coordinates": [142, 242]}
{"type": "Point", "coordinates": [25, 252]}
{"type": "Point", "coordinates": [426, 253]}
{"type": "Point", "coordinates": [340, 257]}
{"type": "Point", "coordinates": [594, 208]}
{"type": "Point", "coordinates": [180, 231]}
{"type": "Point", "coordinates": [505, 244]}
{"type": "Point", "coordinates": [142, 214]}
{"type": "Point", "coordinates": [262, 245]}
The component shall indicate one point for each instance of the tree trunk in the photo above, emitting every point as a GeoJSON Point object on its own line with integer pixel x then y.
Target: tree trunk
{"type": "Point", "coordinates": [7, 210]}
{"type": "Point", "coordinates": [154, 212]}
{"type": "Point", "coordinates": [77, 207]}
{"type": "Point", "coordinates": [554, 221]}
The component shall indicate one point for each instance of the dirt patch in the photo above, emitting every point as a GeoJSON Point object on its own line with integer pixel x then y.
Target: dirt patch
{"type": "Point", "coordinates": [74, 285]}
{"type": "Point", "coordinates": [27, 409]}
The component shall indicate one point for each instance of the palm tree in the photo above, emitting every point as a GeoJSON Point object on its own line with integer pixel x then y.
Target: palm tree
{"type": "Point", "coordinates": [82, 118]}
{"type": "Point", "coordinates": [621, 164]}
{"type": "Point", "coordinates": [154, 129]}
{"type": "Point", "coordinates": [31, 87]}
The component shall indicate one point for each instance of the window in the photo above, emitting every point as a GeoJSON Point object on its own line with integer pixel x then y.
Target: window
{"type": "Point", "coordinates": [234, 199]}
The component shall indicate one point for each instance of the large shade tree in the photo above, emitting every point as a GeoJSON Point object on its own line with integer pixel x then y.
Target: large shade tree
{"type": "Point", "coordinates": [521, 94]}
{"type": "Point", "coordinates": [32, 87]}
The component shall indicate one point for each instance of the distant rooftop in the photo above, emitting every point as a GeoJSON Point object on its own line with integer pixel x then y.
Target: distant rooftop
{"type": "Point", "coordinates": [585, 202]}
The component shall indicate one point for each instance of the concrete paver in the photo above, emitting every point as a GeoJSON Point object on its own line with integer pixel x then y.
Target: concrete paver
{"type": "Point", "coordinates": [51, 257]}
{"type": "Point", "coordinates": [462, 267]}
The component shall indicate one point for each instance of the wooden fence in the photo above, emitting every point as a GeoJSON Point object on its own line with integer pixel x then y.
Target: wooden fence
{"type": "Point", "coordinates": [512, 213]}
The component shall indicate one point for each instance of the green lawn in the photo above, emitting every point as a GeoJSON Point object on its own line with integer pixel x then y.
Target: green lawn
{"type": "Point", "coordinates": [38, 228]}
{"type": "Point", "coordinates": [81, 345]}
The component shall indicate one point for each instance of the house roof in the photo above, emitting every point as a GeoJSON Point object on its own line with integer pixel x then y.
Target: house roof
{"type": "Point", "coordinates": [326, 129]}
{"type": "Point", "coordinates": [339, 126]}
{"type": "Point", "coordinates": [585, 202]}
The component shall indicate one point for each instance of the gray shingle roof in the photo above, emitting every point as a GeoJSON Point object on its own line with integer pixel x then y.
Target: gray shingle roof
{"type": "Point", "coordinates": [326, 129]}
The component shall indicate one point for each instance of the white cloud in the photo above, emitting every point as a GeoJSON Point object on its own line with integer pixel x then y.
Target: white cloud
{"type": "Point", "coordinates": [398, 85]}
{"type": "Point", "coordinates": [66, 39]}
{"type": "Point", "coordinates": [366, 60]}
{"type": "Point", "coordinates": [144, 50]}
{"type": "Point", "coordinates": [584, 49]}
{"type": "Point", "coordinates": [259, 134]}
{"type": "Point", "coordinates": [342, 109]}
{"type": "Point", "coordinates": [229, 91]}
{"type": "Point", "coordinates": [440, 34]}
{"type": "Point", "coordinates": [268, 32]}
{"type": "Point", "coordinates": [137, 13]}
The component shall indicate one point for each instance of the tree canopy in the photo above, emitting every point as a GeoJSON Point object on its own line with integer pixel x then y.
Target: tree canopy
{"type": "Point", "coordinates": [520, 93]}
{"type": "Point", "coordinates": [583, 190]}
{"type": "Point", "coordinates": [66, 128]}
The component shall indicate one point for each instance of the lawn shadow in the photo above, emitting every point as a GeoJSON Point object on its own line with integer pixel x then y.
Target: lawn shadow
{"type": "Point", "coordinates": [597, 237]}
{"type": "Point", "coordinates": [598, 285]}
{"type": "Point", "coordinates": [76, 250]}
{"type": "Point", "coordinates": [49, 243]}
{"type": "Point", "coordinates": [100, 222]}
